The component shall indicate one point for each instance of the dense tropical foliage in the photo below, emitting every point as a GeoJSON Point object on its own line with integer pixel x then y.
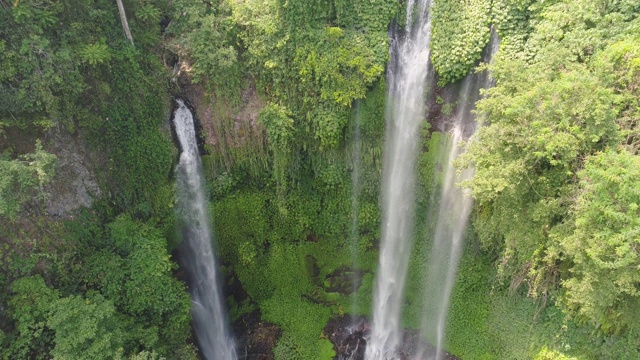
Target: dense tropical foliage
{"type": "Point", "coordinates": [291, 96]}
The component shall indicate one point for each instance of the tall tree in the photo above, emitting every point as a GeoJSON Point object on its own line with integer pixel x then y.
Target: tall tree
{"type": "Point", "coordinates": [123, 19]}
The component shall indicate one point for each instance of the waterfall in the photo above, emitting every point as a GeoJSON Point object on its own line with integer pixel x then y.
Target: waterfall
{"type": "Point", "coordinates": [207, 309]}
{"type": "Point", "coordinates": [453, 211]}
{"type": "Point", "coordinates": [407, 78]}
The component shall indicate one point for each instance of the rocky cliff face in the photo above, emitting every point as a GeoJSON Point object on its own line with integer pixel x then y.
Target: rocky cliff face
{"type": "Point", "coordinates": [226, 124]}
{"type": "Point", "coordinates": [75, 185]}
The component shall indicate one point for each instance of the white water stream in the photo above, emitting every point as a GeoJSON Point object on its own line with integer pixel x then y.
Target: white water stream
{"type": "Point", "coordinates": [207, 308]}
{"type": "Point", "coordinates": [452, 214]}
{"type": "Point", "coordinates": [407, 78]}
{"type": "Point", "coordinates": [453, 211]}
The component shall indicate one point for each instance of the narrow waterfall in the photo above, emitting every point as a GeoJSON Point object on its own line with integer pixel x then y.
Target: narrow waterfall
{"type": "Point", "coordinates": [207, 308]}
{"type": "Point", "coordinates": [407, 78]}
{"type": "Point", "coordinates": [453, 211]}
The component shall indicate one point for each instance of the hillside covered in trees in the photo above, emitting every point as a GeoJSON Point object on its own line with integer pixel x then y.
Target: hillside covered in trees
{"type": "Point", "coordinates": [291, 98]}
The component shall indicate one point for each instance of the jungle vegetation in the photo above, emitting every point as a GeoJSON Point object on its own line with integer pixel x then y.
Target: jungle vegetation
{"type": "Point", "coordinates": [553, 253]}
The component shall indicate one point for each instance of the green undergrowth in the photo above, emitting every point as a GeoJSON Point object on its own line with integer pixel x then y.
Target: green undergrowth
{"type": "Point", "coordinates": [91, 285]}
{"type": "Point", "coordinates": [282, 250]}
{"type": "Point", "coordinates": [284, 268]}
{"type": "Point", "coordinates": [96, 283]}
{"type": "Point", "coordinates": [285, 245]}
{"type": "Point", "coordinates": [428, 179]}
{"type": "Point", "coordinates": [430, 164]}
{"type": "Point", "coordinates": [292, 288]}
{"type": "Point", "coordinates": [486, 322]}
{"type": "Point", "coordinates": [460, 31]}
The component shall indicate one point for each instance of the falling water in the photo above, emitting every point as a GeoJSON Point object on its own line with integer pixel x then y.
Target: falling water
{"type": "Point", "coordinates": [453, 212]}
{"type": "Point", "coordinates": [209, 318]}
{"type": "Point", "coordinates": [407, 79]}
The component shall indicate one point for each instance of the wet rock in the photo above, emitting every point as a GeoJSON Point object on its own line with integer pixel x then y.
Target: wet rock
{"type": "Point", "coordinates": [414, 348]}
{"type": "Point", "coordinates": [256, 339]}
{"type": "Point", "coordinates": [225, 125]}
{"type": "Point", "coordinates": [349, 337]}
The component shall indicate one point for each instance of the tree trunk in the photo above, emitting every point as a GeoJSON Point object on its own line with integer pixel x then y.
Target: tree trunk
{"type": "Point", "coordinates": [123, 19]}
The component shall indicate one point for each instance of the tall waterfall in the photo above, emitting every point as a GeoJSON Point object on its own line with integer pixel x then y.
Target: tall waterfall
{"type": "Point", "coordinates": [453, 211]}
{"type": "Point", "coordinates": [407, 78]}
{"type": "Point", "coordinates": [207, 309]}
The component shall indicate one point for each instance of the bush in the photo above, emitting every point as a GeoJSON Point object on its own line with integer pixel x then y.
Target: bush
{"type": "Point", "coordinates": [460, 31]}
